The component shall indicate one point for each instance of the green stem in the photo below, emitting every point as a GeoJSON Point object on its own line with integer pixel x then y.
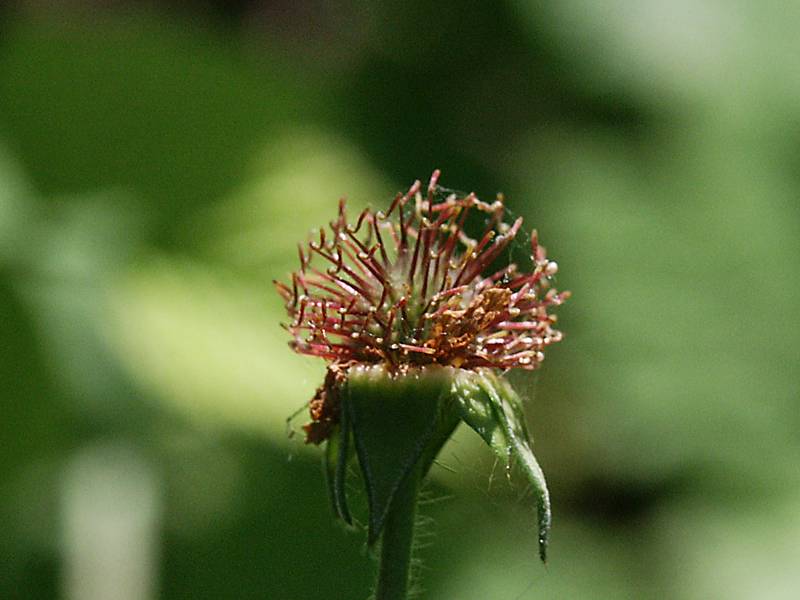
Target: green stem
{"type": "Point", "coordinates": [397, 541]}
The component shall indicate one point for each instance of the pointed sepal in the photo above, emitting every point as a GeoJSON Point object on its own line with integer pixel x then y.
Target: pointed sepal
{"type": "Point", "coordinates": [337, 454]}
{"type": "Point", "coordinates": [493, 409]}
{"type": "Point", "coordinates": [393, 417]}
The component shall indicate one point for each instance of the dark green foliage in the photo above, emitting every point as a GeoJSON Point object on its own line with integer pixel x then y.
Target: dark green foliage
{"type": "Point", "coordinates": [654, 148]}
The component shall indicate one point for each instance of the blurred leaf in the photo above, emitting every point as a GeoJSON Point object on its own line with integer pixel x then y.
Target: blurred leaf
{"type": "Point", "coordinates": [75, 251]}
{"type": "Point", "coordinates": [207, 342]}
{"type": "Point", "coordinates": [16, 208]}
{"type": "Point", "coordinates": [723, 62]}
{"type": "Point", "coordinates": [754, 555]}
{"type": "Point", "coordinates": [35, 415]}
{"type": "Point", "coordinates": [205, 336]}
{"type": "Point", "coordinates": [668, 50]}
{"type": "Point", "coordinates": [293, 189]}
{"type": "Point", "coordinates": [491, 558]}
{"type": "Point", "coordinates": [667, 259]}
{"type": "Point", "coordinates": [172, 112]}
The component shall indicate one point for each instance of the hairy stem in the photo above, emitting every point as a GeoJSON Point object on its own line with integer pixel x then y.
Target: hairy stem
{"type": "Point", "coordinates": [397, 541]}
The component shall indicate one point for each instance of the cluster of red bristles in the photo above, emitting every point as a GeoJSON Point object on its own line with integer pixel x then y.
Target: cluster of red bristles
{"type": "Point", "coordinates": [407, 287]}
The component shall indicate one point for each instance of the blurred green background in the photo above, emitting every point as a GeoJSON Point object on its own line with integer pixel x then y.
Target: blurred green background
{"type": "Point", "coordinates": [158, 162]}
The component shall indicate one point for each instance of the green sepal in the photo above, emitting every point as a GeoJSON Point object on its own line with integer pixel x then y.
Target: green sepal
{"type": "Point", "coordinates": [337, 451]}
{"type": "Point", "coordinates": [394, 419]}
{"type": "Point", "coordinates": [494, 410]}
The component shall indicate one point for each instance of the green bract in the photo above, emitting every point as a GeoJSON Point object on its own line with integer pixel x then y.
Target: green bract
{"type": "Point", "coordinates": [398, 421]}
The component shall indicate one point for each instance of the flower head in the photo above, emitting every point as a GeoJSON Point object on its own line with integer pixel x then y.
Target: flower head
{"type": "Point", "coordinates": [416, 319]}
{"type": "Point", "coordinates": [409, 287]}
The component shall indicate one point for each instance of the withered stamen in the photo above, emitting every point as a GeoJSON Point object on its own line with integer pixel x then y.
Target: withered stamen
{"type": "Point", "coordinates": [402, 307]}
